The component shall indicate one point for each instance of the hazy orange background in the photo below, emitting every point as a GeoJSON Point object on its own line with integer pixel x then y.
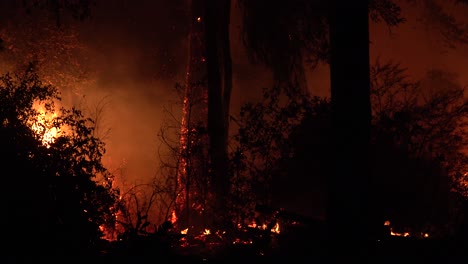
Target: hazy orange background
{"type": "Point", "coordinates": [138, 49]}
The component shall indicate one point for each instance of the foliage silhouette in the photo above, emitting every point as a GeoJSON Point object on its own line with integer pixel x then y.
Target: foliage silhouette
{"type": "Point", "coordinates": [417, 150]}
{"type": "Point", "coordinates": [294, 31]}
{"type": "Point", "coordinates": [59, 195]}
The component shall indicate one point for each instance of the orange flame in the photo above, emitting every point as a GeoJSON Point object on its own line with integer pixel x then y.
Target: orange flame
{"type": "Point", "coordinates": [173, 217]}
{"type": "Point", "coordinates": [276, 229]}
{"type": "Point", "coordinates": [43, 126]}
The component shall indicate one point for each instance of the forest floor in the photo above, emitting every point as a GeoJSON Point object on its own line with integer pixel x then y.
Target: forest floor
{"type": "Point", "coordinates": [296, 244]}
{"type": "Point", "coordinates": [296, 248]}
{"type": "Point", "coordinates": [393, 250]}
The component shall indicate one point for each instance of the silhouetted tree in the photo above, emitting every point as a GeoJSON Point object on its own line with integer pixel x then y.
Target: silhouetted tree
{"type": "Point", "coordinates": [184, 163]}
{"type": "Point", "coordinates": [261, 142]}
{"type": "Point", "coordinates": [59, 196]}
{"type": "Point", "coordinates": [219, 84]}
{"type": "Point", "coordinates": [419, 141]}
{"type": "Point", "coordinates": [338, 33]}
{"type": "Point", "coordinates": [349, 213]}
{"type": "Point", "coordinates": [417, 150]}
{"type": "Point", "coordinates": [435, 18]}
{"type": "Point", "coordinates": [295, 33]}
{"type": "Point", "coordinates": [209, 76]}
{"type": "Point", "coordinates": [61, 55]}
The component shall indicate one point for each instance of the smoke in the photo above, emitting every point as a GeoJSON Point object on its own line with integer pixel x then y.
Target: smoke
{"type": "Point", "coordinates": [138, 58]}
{"type": "Point", "coordinates": [421, 47]}
{"type": "Point", "coordinates": [137, 52]}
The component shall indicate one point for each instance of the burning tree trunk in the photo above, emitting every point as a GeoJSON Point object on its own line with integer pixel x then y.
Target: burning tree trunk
{"type": "Point", "coordinates": [191, 163]}
{"type": "Point", "coordinates": [206, 108]}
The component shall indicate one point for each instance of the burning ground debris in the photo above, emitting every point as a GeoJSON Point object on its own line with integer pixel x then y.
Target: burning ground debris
{"type": "Point", "coordinates": [261, 238]}
{"type": "Point", "coordinates": [405, 232]}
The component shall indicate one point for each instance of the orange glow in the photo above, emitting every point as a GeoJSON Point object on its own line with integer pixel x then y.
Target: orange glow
{"type": "Point", "coordinates": [206, 232]}
{"type": "Point", "coordinates": [401, 234]}
{"type": "Point", "coordinates": [109, 235]}
{"type": "Point", "coordinates": [173, 217]}
{"type": "Point", "coordinates": [405, 234]}
{"type": "Point", "coordinates": [184, 232]}
{"type": "Point", "coordinates": [276, 229]}
{"type": "Point", "coordinates": [43, 125]}
{"type": "Point", "coordinates": [239, 241]}
{"type": "Point", "coordinates": [182, 167]}
{"type": "Point", "coordinates": [253, 225]}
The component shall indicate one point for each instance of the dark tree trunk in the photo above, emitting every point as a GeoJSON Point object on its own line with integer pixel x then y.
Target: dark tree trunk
{"type": "Point", "coordinates": [219, 85]}
{"type": "Point", "coordinates": [349, 211]}
{"type": "Point", "coordinates": [226, 47]}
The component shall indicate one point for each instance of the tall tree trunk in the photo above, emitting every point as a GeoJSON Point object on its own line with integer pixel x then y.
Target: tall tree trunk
{"type": "Point", "coordinates": [219, 86]}
{"type": "Point", "coordinates": [227, 60]}
{"type": "Point", "coordinates": [349, 211]}
{"type": "Point", "coordinates": [190, 168]}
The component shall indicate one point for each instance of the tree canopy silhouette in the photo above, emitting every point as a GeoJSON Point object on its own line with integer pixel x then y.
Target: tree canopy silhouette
{"type": "Point", "coordinates": [59, 195]}
{"type": "Point", "coordinates": [417, 151]}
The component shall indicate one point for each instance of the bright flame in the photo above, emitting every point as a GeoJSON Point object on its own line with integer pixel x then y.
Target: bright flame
{"type": "Point", "coordinates": [43, 126]}
{"type": "Point", "coordinates": [207, 232]}
{"type": "Point", "coordinates": [184, 232]}
{"type": "Point", "coordinates": [405, 234]}
{"type": "Point", "coordinates": [276, 229]}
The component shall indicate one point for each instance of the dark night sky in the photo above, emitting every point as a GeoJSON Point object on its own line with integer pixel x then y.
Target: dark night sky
{"type": "Point", "coordinates": [129, 41]}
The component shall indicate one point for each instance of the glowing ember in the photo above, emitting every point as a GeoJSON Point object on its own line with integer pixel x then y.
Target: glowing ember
{"type": "Point", "coordinates": [239, 241]}
{"type": "Point", "coordinates": [173, 217]}
{"type": "Point", "coordinates": [402, 234]}
{"type": "Point", "coordinates": [253, 225]}
{"type": "Point", "coordinates": [184, 232]}
{"type": "Point", "coordinates": [206, 232]}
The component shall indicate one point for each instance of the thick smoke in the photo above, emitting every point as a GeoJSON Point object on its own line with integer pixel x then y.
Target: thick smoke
{"type": "Point", "coordinates": [137, 52]}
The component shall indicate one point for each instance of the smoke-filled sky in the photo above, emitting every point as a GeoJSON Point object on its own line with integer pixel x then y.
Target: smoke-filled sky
{"type": "Point", "coordinates": [137, 52]}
